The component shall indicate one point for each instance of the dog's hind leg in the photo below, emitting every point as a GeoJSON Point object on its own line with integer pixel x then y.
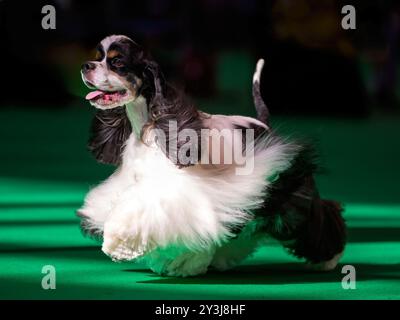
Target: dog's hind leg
{"type": "Point", "coordinates": [293, 213]}
{"type": "Point", "coordinates": [310, 227]}
{"type": "Point", "coordinates": [321, 238]}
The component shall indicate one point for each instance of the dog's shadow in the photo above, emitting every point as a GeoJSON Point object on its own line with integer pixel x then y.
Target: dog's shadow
{"type": "Point", "coordinates": [278, 273]}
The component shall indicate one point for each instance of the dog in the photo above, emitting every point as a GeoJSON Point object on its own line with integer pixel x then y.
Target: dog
{"type": "Point", "coordinates": [173, 205]}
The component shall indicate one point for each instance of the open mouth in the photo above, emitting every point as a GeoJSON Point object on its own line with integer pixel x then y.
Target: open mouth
{"type": "Point", "coordinates": [108, 99]}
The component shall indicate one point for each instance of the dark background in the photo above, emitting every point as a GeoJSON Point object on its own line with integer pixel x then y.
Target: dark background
{"type": "Point", "coordinates": [313, 66]}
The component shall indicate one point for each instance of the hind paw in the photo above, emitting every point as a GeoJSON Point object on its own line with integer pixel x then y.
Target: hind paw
{"type": "Point", "coordinates": [325, 265]}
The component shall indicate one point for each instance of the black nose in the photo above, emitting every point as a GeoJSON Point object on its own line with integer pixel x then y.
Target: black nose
{"type": "Point", "coordinates": [88, 66]}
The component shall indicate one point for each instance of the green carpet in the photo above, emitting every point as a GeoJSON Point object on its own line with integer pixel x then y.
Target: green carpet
{"type": "Point", "coordinates": [45, 172]}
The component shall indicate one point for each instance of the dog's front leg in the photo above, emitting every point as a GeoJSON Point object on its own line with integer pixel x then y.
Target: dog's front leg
{"type": "Point", "coordinates": [125, 234]}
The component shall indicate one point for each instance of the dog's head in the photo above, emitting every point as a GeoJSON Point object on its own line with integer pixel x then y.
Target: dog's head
{"type": "Point", "coordinates": [121, 72]}
{"type": "Point", "coordinates": [118, 72]}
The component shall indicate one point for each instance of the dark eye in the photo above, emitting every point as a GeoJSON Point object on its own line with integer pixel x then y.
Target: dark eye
{"type": "Point", "coordinates": [117, 62]}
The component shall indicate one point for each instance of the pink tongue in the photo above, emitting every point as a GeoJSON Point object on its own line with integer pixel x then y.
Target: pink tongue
{"type": "Point", "coordinates": [94, 94]}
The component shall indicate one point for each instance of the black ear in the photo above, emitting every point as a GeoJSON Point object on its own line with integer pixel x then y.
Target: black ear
{"type": "Point", "coordinates": [109, 131]}
{"type": "Point", "coordinates": [151, 74]}
{"type": "Point", "coordinates": [167, 105]}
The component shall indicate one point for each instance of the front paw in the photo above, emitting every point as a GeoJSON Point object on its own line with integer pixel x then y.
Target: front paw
{"type": "Point", "coordinates": [122, 241]}
{"type": "Point", "coordinates": [123, 249]}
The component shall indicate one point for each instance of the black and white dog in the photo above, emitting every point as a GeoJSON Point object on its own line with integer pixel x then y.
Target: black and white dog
{"type": "Point", "coordinates": [171, 201]}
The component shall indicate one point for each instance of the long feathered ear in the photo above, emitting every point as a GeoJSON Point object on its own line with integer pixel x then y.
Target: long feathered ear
{"type": "Point", "coordinates": [109, 131]}
{"type": "Point", "coordinates": [171, 113]}
{"type": "Point", "coordinates": [151, 74]}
